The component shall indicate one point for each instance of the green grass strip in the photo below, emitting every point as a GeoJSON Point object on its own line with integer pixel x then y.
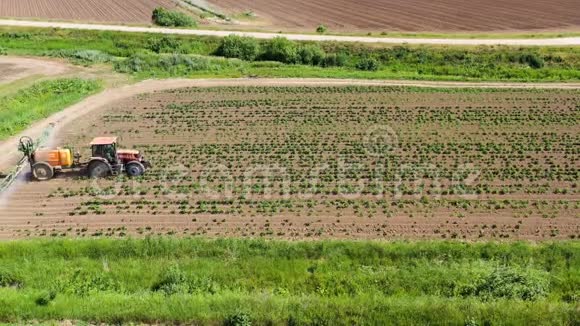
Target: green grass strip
{"type": "Point", "coordinates": [192, 280]}
{"type": "Point", "coordinates": [21, 109]}
{"type": "Point", "coordinates": [162, 56]}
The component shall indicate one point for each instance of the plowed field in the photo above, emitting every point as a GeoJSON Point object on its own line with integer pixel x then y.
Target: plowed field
{"type": "Point", "coordinates": [412, 15]}
{"type": "Point", "coordinates": [323, 162]}
{"type": "Point", "coordinates": [119, 11]}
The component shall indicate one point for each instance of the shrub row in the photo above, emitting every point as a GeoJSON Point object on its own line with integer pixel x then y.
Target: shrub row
{"type": "Point", "coordinates": [174, 64]}
{"type": "Point", "coordinates": [85, 57]}
{"type": "Point", "coordinates": [421, 62]}
{"type": "Point", "coordinates": [279, 49]}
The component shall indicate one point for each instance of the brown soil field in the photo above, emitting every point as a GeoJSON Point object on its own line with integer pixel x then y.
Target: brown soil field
{"type": "Point", "coordinates": [411, 16]}
{"type": "Point", "coordinates": [114, 11]}
{"type": "Point", "coordinates": [322, 162]}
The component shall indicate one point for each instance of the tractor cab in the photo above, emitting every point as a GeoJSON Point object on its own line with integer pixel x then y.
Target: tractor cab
{"type": "Point", "coordinates": [106, 148]}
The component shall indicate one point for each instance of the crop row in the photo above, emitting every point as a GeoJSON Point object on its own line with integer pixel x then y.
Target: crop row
{"type": "Point", "coordinates": [342, 151]}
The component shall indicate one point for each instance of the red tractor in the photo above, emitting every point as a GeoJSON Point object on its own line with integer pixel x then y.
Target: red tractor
{"type": "Point", "coordinates": [106, 159]}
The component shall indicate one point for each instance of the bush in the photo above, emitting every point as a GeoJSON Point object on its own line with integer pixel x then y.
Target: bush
{"type": "Point", "coordinates": [234, 46]}
{"type": "Point", "coordinates": [321, 29]}
{"type": "Point", "coordinates": [335, 60]}
{"type": "Point", "coordinates": [3, 51]}
{"type": "Point", "coordinates": [311, 55]}
{"type": "Point", "coordinates": [45, 298]}
{"type": "Point", "coordinates": [169, 18]}
{"type": "Point", "coordinates": [84, 283]}
{"type": "Point", "coordinates": [368, 64]}
{"type": "Point", "coordinates": [131, 65]}
{"type": "Point", "coordinates": [513, 283]}
{"type": "Point", "coordinates": [173, 65]}
{"type": "Point", "coordinates": [9, 279]}
{"type": "Point", "coordinates": [85, 57]}
{"type": "Point", "coordinates": [189, 63]}
{"type": "Point", "coordinates": [281, 49]}
{"type": "Point", "coordinates": [533, 60]}
{"type": "Point", "coordinates": [173, 281]}
{"type": "Point", "coordinates": [238, 319]}
{"type": "Point", "coordinates": [17, 35]}
{"type": "Point", "coordinates": [164, 44]}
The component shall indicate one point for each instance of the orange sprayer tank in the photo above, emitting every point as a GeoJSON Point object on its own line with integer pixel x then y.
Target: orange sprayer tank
{"type": "Point", "coordinates": [59, 157]}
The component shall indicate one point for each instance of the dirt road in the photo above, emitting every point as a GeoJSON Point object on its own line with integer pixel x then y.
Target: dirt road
{"type": "Point", "coordinates": [564, 41]}
{"type": "Point", "coordinates": [95, 102]}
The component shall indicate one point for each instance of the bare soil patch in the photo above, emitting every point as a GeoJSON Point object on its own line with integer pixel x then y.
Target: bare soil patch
{"type": "Point", "coordinates": [125, 11]}
{"type": "Point", "coordinates": [15, 68]}
{"type": "Point", "coordinates": [322, 162]}
{"type": "Point", "coordinates": [412, 16]}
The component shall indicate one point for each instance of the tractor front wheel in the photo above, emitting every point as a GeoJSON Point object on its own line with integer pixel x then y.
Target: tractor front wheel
{"type": "Point", "coordinates": [42, 171]}
{"type": "Point", "coordinates": [134, 169]}
{"type": "Point", "coordinates": [99, 169]}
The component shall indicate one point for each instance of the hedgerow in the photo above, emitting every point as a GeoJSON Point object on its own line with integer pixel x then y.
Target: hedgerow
{"type": "Point", "coordinates": [85, 57]}
{"type": "Point", "coordinates": [400, 61]}
{"type": "Point", "coordinates": [279, 50]}
{"type": "Point", "coordinates": [172, 65]}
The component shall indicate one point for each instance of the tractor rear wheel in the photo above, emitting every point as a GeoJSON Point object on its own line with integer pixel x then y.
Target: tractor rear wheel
{"type": "Point", "coordinates": [134, 169]}
{"type": "Point", "coordinates": [42, 171]}
{"type": "Point", "coordinates": [99, 169]}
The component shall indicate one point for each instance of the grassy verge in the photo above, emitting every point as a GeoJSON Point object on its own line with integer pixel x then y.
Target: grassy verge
{"type": "Point", "coordinates": [150, 55]}
{"type": "Point", "coordinates": [212, 281]}
{"type": "Point", "coordinates": [19, 110]}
